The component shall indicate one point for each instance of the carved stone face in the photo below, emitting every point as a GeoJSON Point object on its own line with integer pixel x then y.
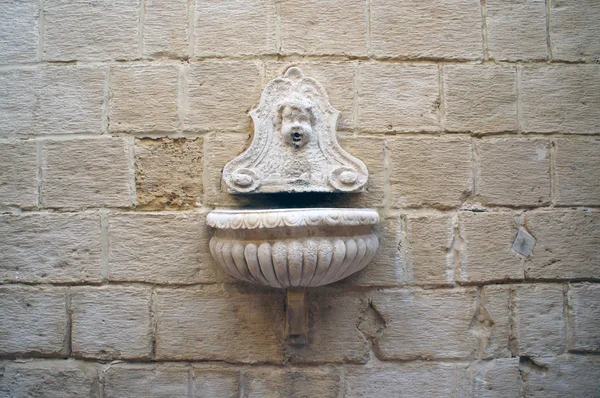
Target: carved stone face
{"type": "Point", "coordinates": [296, 127]}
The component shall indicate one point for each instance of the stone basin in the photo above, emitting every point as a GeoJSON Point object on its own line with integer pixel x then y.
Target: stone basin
{"type": "Point", "coordinates": [287, 248]}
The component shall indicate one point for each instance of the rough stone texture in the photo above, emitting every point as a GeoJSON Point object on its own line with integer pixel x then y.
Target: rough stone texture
{"type": "Point", "coordinates": [159, 248]}
{"type": "Point", "coordinates": [514, 172]}
{"type": "Point", "coordinates": [34, 321]}
{"type": "Point", "coordinates": [19, 31]}
{"type": "Point", "coordinates": [168, 173]}
{"type": "Point", "coordinates": [563, 99]}
{"type": "Point", "coordinates": [432, 29]}
{"type": "Point", "coordinates": [111, 322]}
{"type": "Point", "coordinates": [493, 321]}
{"type": "Point", "coordinates": [226, 28]}
{"type": "Point", "coordinates": [86, 173]}
{"type": "Point", "coordinates": [397, 97]}
{"type": "Point", "coordinates": [49, 379]}
{"type": "Point", "coordinates": [80, 30]}
{"type": "Point", "coordinates": [220, 94]}
{"type": "Point", "coordinates": [539, 320]}
{"type": "Point", "coordinates": [497, 378]}
{"type": "Point", "coordinates": [486, 251]}
{"type": "Point", "coordinates": [146, 380]}
{"type": "Point", "coordinates": [50, 248]}
{"type": "Point", "coordinates": [426, 324]}
{"type": "Point", "coordinates": [480, 99]}
{"type": "Point", "coordinates": [323, 27]}
{"type": "Point", "coordinates": [577, 172]}
{"type": "Point", "coordinates": [165, 28]}
{"type": "Point", "coordinates": [52, 99]}
{"type": "Point", "coordinates": [574, 32]}
{"type": "Point", "coordinates": [584, 317]}
{"type": "Point", "coordinates": [561, 376]}
{"type": "Point", "coordinates": [193, 324]}
{"type": "Point", "coordinates": [18, 180]}
{"type": "Point", "coordinates": [214, 381]}
{"type": "Point", "coordinates": [292, 382]}
{"type": "Point", "coordinates": [567, 245]}
{"type": "Point", "coordinates": [144, 98]}
{"type": "Point", "coordinates": [516, 30]}
{"type": "Point", "coordinates": [430, 171]}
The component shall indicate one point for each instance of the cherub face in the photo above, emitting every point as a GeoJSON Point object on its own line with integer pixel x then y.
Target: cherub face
{"type": "Point", "coordinates": [295, 125]}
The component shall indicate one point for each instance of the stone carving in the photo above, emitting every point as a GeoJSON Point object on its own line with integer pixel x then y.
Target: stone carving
{"type": "Point", "coordinates": [295, 148]}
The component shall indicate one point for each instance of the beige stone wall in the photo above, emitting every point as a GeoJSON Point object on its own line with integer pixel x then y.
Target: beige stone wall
{"type": "Point", "coordinates": [479, 122]}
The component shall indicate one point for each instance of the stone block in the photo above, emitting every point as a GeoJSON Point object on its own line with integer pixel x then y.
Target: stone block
{"type": "Point", "coordinates": [146, 380]}
{"type": "Point", "coordinates": [34, 321]}
{"type": "Point", "coordinates": [144, 98]}
{"type": "Point", "coordinates": [220, 95]}
{"type": "Point", "coordinates": [52, 100]}
{"type": "Point", "coordinates": [574, 31]}
{"type": "Point", "coordinates": [215, 381]}
{"type": "Point", "coordinates": [577, 172]}
{"type": "Point", "coordinates": [514, 172]}
{"type": "Point", "coordinates": [430, 29]}
{"type": "Point", "coordinates": [493, 321]}
{"type": "Point", "coordinates": [225, 28]}
{"type": "Point", "coordinates": [18, 181]}
{"type": "Point", "coordinates": [80, 30]}
{"type": "Point", "coordinates": [430, 171]}
{"type": "Point", "coordinates": [584, 317]}
{"type": "Point", "coordinates": [497, 378]}
{"type": "Point", "coordinates": [398, 97]}
{"type": "Point", "coordinates": [19, 31]}
{"type": "Point", "coordinates": [539, 320]}
{"type": "Point", "coordinates": [220, 324]}
{"type": "Point", "coordinates": [567, 245]}
{"type": "Point", "coordinates": [320, 27]}
{"type": "Point", "coordinates": [480, 99]}
{"type": "Point", "coordinates": [486, 252]}
{"type": "Point", "coordinates": [50, 248]}
{"type": "Point", "coordinates": [267, 382]}
{"type": "Point", "coordinates": [111, 322]}
{"type": "Point", "coordinates": [516, 30]}
{"type": "Point", "coordinates": [86, 173]}
{"type": "Point", "coordinates": [426, 324]}
{"type": "Point", "coordinates": [53, 378]}
{"type": "Point", "coordinates": [166, 29]}
{"type": "Point", "coordinates": [561, 99]}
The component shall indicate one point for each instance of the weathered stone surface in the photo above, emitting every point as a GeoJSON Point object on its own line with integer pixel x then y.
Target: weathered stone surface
{"type": "Point", "coordinates": [50, 248]}
{"type": "Point", "coordinates": [486, 252]}
{"type": "Point", "coordinates": [168, 173]}
{"type": "Point", "coordinates": [492, 323]}
{"type": "Point", "coordinates": [497, 378]}
{"type": "Point", "coordinates": [18, 180]}
{"type": "Point", "coordinates": [432, 29]}
{"type": "Point", "coordinates": [567, 245]}
{"type": "Point", "coordinates": [480, 99]}
{"type": "Point", "coordinates": [292, 382]}
{"type": "Point", "coordinates": [225, 28]}
{"type": "Point", "coordinates": [159, 248]}
{"type": "Point", "coordinates": [539, 320]}
{"type": "Point", "coordinates": [45, 378]}
{"type": "Point", "coordinates": [574, 31]}
{"type": "Point", "coordinates": [111, 322]}
{"type": "Point", "coordinates": [430, 171]}
{"type": "Point", "coordinates": [577, 172]}
{"type": "Point", "coordinates": [146, 380]}
{"type": "Point", "coordinates": [584, 317]}
{"type": "Point", "coordinates": [562, 376]}
{"type": "Point", "coordinates": [166, 28]}
{"type": "Point", "coordinates": [78, 30]}
{"type": "Point", "coordinates": [144, 98]}
{"type": "Point", "coordinates": [516, 30]}
{"type": "Point", "coordinates": [34, 320]}
{"type": "Point", "coordinates": [323, 27]}
{"type": "Point", "coordinates": [19, 31]}
{"type": "Point", "coordinates": [220, 94]}
{"type": "Point", "coordinates": [514, 172]}
{"type": "Point", "coordinates": [193, 324]}
{"type": "Point", "coordinates": [52, 99]}
{"type": "Point", "coordinates": [563, 99]}
{"type": "Point", "coordinates": [397, 97]}
{"type": "Point", "coordinates": [86, 173]}
{"type": "Point", "coordinates": [216, 381]}
{"type": "Point", "coordinates": [427, 324]}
